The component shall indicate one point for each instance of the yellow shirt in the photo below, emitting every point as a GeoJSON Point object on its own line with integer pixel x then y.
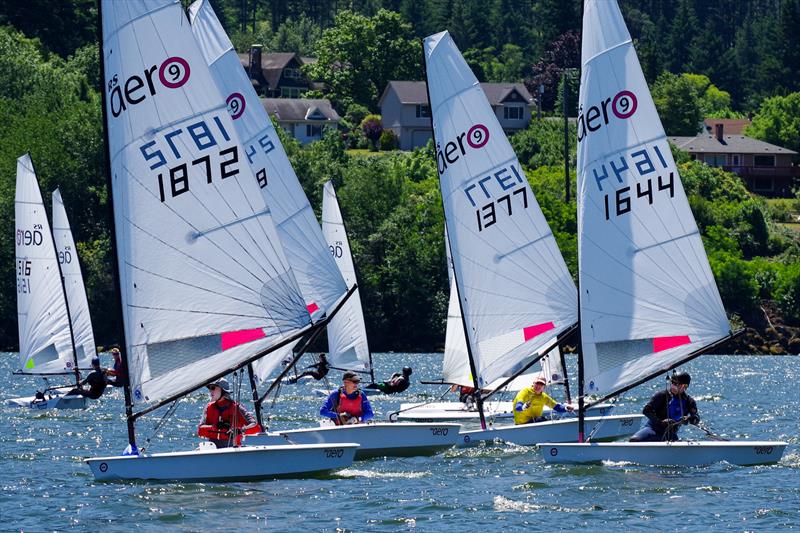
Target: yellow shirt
{"type": "Point", "coordinates": [537, 402]}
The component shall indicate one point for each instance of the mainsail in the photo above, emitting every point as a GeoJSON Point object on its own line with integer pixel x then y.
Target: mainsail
{"type": "Point", "coordinates": [347, 333]}
{"type": "Point", "coordinates": [648, 297]}
{"type": "Point", "coordinates": [73, 284]}
{"type": "Point", "coordinates": [204, 280]}
{"type": "Point", "coordinates": [317, 274]}
{"type": "Point", "coordinates": [45, 346]}
{"type": "Point", "coordinates": [515, 291]}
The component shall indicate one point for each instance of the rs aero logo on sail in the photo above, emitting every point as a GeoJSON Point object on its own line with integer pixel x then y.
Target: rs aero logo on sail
{"type": "Point", "coordinates": [172, 73]}
{"type": "Point", "coordinates": [475, 137]}
{"type": "Point", "coordinates": [622, 105]}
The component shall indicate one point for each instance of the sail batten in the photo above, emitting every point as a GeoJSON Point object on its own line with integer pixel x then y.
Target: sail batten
{"type": "Point", "coordinates": [200, 258]}
{"type": "Point", "coordinates": [508, 272]}
{"type": "Point", "coordinates": [648, 297]}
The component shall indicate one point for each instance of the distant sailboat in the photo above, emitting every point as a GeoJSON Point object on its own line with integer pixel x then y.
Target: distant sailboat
{"type": "Point", "coordinates": [205, 285]}
{"type": "Point", "coordinates": [50, 344]}
{"type": "Point", "coordinates": [517, 297]}
{"type": "Point", "coordinates": [648, 298]}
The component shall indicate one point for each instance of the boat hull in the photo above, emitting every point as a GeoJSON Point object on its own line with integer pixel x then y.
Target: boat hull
{"type": "Point", "coordinates": [459, 412]}
{"type": "Point", "coordinates": [377, 439]}
{"type": "Point", "coordinates": [209, 464]}
{"type": "Point", "coordinates": [678, 453]}
{"type": "Point", "coordinates": [55, 402]}
{"type": "Point", "coordinates": [564, 430]}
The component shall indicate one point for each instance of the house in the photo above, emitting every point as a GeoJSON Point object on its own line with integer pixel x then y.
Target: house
{"type": "Point", "coordinates": [277, 75]}
{"type": "Point", "coordinates": [733, 126]}
{"type": "Point", "coordinates": [304, 119]}
{"type": "Point", "coordinates": [765, 168]}
{"type": "Point", "coordinates": [405, 109]}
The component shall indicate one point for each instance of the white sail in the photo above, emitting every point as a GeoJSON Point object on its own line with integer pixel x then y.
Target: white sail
{"type": "Point", "coordinates": [455, 365]}
{"type": "Point", "coordinates": [45, 346]}
{"type": "Point", "coordinates": [515, 290]}
{"type": "Point", "coordinates": [552, 369]}
{"type": "Point", "coordinates": [648, 297]}
{"type": "Point", "coordinates": [347, 332]}
{"type": "Point", "coordinates": [306, 249]}
{"type": "Point", "coordinates": [73, 283]}
{"type": "Point", "coordinates": [205, 283]}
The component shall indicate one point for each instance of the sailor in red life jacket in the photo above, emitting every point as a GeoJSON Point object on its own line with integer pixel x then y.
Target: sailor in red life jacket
{"type": "Point", "coordinates": [347, 405]}
{"type": "Point", "coordinates": [225, 421]}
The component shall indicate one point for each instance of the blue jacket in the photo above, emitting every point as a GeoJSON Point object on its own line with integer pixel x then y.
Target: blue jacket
{"type": "Point", "coordinates": [329, 408]}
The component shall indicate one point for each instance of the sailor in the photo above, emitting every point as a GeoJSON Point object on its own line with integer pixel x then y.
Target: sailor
{"type": "Point", "coordinates": [224, 420]}
{"type": "Point", "coordinates": [320, 370]}
{"type": "Point", "coordinates": [116, 372]}
{"type": "Point", "coordinates": [667, 410]}
{"type": "Point", "coordinates": [347, 405]}
{"type": "Point", "coordinates": [530, 401]}
{"type": "Point", "coordinates": [97, 381]}
{"type": "Point", "coordinates": [399, 382]}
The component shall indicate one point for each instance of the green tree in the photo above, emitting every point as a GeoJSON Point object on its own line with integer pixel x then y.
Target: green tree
{"type": "Point", "coordinates": [358, 56]}
{"type": "Point", "coordinates": [299, 36]}
{"type": "Point", "coordinates": [778, 121]}
{"type": "Point", "coordinates": [678, 104]}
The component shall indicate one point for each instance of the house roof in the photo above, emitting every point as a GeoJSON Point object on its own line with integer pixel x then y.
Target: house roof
{"type": "Point", "coordinates": [272, 64]}
{"type": "Point", "coordinates": [731, 144]}
{"type": "Point", "coordinates": [734, 126]}
{"type": "Point", "coordinates": [300, 109]}
{"type": "Point", "coordinates": [416, 92]}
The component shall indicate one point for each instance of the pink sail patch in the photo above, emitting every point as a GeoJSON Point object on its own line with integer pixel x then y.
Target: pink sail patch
{"type": "Point", "coordinates": [311, 308]}
{"type": "Point", "coordinates": [233, 339]}
{"type": "Point", "coordinates": [534, 331]}
{"type": "Point", "coordinates": [665, 343]}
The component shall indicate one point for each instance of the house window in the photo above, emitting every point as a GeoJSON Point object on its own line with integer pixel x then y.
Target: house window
{"type": "Point", "coordinates": [293, 73]}
{"type": "Point", "coordinates": [290, 92]}
{"type": "Point", "coordinates": [763, 185]}
{"type": "Point", "coordinates": [313, 130]}
{"type": "Point", "coordinates": [736, 160]}
{"type": "Point", "coordinates": [423, 111]}
{"type": "Point", "coordinates": [715, 160]}
{"type": "Point", "coordinates": [512, 112]}
{"type": "Point", "coordinates": [764, 161]}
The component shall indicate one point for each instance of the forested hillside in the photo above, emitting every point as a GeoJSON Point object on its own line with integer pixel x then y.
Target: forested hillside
{"type": "Point", "coordinates": [701, 57]}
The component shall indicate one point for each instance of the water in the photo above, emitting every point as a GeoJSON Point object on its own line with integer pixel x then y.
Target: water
{"type": "Point", "coordinates": [45, 486]}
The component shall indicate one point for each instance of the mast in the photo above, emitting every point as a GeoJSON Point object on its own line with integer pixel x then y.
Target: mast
{"type": "Point", "coordinates": [114, 249]}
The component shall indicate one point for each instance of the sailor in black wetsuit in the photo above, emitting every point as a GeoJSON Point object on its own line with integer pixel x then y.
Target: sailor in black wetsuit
{"type": "Point", "coordinates": [397, 383]}
{"type": "Point", "coordinates": [667, 411]}
{"type": "Point", "coordinates": [320, 370]}
{"type": "Point", "coordinates": [97, 381]}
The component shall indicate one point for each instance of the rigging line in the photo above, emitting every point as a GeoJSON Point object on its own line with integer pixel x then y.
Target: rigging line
{"type": "Point", "coordinates": [169, 412]}
{"type": "Point", "coordinates": [231, 223]}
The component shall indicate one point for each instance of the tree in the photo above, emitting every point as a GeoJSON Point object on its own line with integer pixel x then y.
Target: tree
{"type": "Point", "coordinates": [564, 52]}
{"type": "Point", "coordinates": [778, 121]}
{"type": "Point", "coordinates": [359, 55]}
{"type": "Point", "coordinates": [678, 104]}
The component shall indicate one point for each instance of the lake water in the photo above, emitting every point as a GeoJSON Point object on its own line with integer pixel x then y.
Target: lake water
{"type": "Point", "coordinates": [45, 486]}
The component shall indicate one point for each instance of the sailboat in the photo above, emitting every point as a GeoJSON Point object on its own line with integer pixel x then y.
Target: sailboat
{"type": "Point", "coordinates": [244, 107]}
{"type": "Point", "coordinates": [455, 371]}
{"type": "Point", "coordinates": [204, 283]}
{"type": "Point", "coordinates": [648, 300]}
{"type": "Point", "coordinates": [516, 296]}
{"type": "Point", "coordinates": [55, 331]}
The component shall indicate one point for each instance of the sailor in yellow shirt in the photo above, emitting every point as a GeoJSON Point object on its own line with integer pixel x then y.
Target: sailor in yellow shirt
{"type": "Point", "coordinates": [530, 401]}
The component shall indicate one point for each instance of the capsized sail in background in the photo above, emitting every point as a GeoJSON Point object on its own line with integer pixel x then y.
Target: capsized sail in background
{"type": "Point", "coordinates": [73, 284]}
{"type": "Point", "coordinates": [45, 346]}
{"type": "Point", "coordinates": [204, 279]}
{"type": "Point", "coordinates": [515, 291]}
{"type": "Point", "coordinates": [648, 297]}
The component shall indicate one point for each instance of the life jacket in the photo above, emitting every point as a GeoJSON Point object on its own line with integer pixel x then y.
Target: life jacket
{"type": "Point", "coordinates": [351, 406]}
{"type": "Point", "coordinates": [217, 415]}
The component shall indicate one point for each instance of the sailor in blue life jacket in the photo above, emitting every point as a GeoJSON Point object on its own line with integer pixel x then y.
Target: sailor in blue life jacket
{"type": "Point", "coordinates": [667, 410]}
{"type": "Point", "coordinates": [347, 405]}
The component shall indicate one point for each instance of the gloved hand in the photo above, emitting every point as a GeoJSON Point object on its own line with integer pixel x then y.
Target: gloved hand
{"type": "Point", "coordinates": [223, 426]}
{"type": "Point", "coordinates": [667, 422]}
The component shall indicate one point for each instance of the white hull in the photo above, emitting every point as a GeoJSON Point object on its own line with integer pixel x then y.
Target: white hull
{"type": "Point", "coordinates": [375, 439]}
{"type": "Point", "coordinates": [565, 430]}
{"type": "Point", "coordinates": [56, 401]}
{"type": "Point", "coordinates": [678, 453]}
{"type": "Point", "coordinates": [459, 412]}
{"type": "Point", "coordinates": [208, 463]}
